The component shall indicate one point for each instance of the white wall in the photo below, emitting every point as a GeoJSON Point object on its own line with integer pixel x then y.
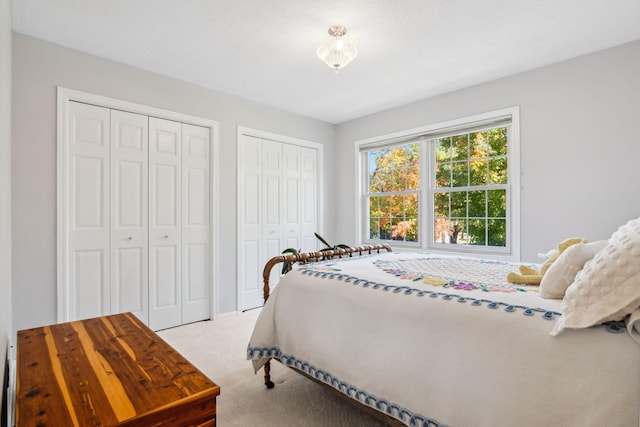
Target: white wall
{"type": "Point", "coordinates": [38, 67]}
{"type": "Point", "coordinates": [5, 182]}
{"type": "Point", "coordinates": [580, 144]}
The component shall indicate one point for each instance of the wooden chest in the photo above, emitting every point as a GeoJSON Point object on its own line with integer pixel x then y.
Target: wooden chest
{"type": "Point", "coordinates": [107, 371]}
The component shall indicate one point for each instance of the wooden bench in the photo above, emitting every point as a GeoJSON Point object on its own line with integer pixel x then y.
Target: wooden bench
{"type": "Point", "coordinates": [107, 371]}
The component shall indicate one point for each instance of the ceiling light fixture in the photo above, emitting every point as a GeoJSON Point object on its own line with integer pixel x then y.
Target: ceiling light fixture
{"type": "Point", "coordinates": [337, 53]}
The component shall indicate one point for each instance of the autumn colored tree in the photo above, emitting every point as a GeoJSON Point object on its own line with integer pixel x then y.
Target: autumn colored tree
{"type": "Point", "coordinates": [395, 181]}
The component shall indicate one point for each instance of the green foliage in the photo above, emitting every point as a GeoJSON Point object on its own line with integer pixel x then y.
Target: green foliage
{"type": "Point", "coordinates": [329, 247]}
{"type": "Point", "coordinates": [469, 160]}
{"type": "Point", "coordinates": [287, 265]}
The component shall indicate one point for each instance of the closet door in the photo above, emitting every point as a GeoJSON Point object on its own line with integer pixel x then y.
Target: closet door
{"type": "Point", "coordinates": [195, 223]}
{"type": "Point", "coordinates": [291, 224]}
{"type": "Point", "coordinates": [308, 198]}
{"type": "Point", "coordinates": [250, 222]}
{"type": "Point", "coordinates": [87, 186]}
{"type": "Point", "coordinates": [165, 194]}
{"type": "Point", "coordinates": [277, 209]}
{"type": "Point", "coordinates": [272, 203]}
{"type": "Point", "coordinates": [129, 213]}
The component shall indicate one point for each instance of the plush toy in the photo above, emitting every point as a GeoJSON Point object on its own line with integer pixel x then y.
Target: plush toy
{"type": "Point", "coordinates": [531, 276]}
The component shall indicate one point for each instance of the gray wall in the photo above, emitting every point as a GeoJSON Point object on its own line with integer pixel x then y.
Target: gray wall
{"type": "Point", "coordinates": [580, 150]}
{"type": "Point", "coordinates": [38, 67]}
{"type": "Point", "coordinates": [5, 182]}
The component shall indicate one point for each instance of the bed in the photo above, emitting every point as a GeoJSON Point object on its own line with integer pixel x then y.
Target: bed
{"type": "Point", "coordinates": [429, 340]}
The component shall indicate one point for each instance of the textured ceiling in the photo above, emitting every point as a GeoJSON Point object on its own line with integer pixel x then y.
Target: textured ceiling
{"type": "Point", "coordinates": [264, 50]}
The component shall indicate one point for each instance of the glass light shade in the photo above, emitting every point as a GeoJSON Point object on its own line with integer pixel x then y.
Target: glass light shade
{"type": "Point", "coordinates": [337, 53]}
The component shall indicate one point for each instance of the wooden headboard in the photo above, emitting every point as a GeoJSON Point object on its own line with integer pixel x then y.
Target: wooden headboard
{"type": "Point", "coordinates": [327, 254]}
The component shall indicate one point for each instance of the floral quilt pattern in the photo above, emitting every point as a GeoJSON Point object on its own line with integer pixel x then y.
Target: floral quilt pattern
{"type": "Point", "coordinates": [456, 272]}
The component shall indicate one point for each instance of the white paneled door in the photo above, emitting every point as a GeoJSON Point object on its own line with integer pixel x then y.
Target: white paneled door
{"type": "Point", "coordinates": [291, 221]}
{"type": "Point", "coordinates": [88, 229]}
{"type": "Point", "coordinates": [272, 201]}
{"type": "Point", "coordinates": [195, 223]}
{"type": "Point", "coordinates": [165, 249]}
{"type": "Point", "coordinates": [250, 215]}
{"type": "Point", "coordinates": [129, 213]}
{"type": "Point", "coordinates": [136, 228]}
{"type": "Point", "coordinates": [277, 206]}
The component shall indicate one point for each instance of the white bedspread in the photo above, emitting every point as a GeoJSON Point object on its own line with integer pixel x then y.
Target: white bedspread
{"type": "Point", "coordinates": [469, 350]}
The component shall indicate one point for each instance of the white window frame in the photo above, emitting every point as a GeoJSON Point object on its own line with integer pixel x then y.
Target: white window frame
{"type": "Point", "coordinates": [430, 132]}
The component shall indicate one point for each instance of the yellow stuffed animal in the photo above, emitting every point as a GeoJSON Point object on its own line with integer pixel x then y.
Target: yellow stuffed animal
{"type": "Point", "coordinates": [531, 276]}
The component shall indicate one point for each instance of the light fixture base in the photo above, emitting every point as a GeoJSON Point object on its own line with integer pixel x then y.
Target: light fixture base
{"type": "Point", "coordinates": [337, 31]}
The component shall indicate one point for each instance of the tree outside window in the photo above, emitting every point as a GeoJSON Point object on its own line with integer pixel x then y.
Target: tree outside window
{"type": "Point", "coordinates": [393, 196]}
{"type": "Point", "coordinates": [469, 194]}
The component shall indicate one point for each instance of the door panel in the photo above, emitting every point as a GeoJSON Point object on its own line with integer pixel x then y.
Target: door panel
{"type": "Point", "coordinates": [196, 207]}
{"type": "Point", "coordinates": [195, 223]}
{"type": "Point", "coordinates": [88, 174]}
{"type": "Point", "coordinates": [165, 207]}
{"type": "Point", "coordinates": [195, 276]}
{"type": "Point", "coordinates": [291, 195]}
{"type": "Point", "coordinates": [130, 274]}
{"type": "Point", "coordinates": [165, 240]}
{"type": "Point", "coordinates": [251, 267]}
{"type": "Point", "coordinates": [91, 297]}
{"type": "Point", "coordinates": [272, 201]}
{"type": "Point", "coordinates": [129, 214]}
{"type": "Point", "coordinates": [165, 279]}
{"type": "Point", "coordinates": [309, 198]}
{"type": "Point", "coordinates": [87, 274]}
{"type": "Point", "coordinates": [250, 223]}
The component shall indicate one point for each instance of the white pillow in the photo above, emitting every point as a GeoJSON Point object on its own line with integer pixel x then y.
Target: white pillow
{"type": "Point", "coordinates": [563, 271]}
{"type": "Point", "coordinates": [608, 287]}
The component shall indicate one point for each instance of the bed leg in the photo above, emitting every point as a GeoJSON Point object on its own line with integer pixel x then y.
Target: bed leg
{"type": "Point", "coordinates": [267, 375]}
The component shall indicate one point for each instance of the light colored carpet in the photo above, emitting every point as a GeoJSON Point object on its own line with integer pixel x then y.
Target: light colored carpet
{"type": "Point", "coordinates": [218, 349]}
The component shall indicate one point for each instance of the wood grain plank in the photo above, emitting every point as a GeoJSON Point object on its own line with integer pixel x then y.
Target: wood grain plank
{"type": "Point", "coordinates": [37, 390]}
{"type": "Point", "coordinates": [89, 399]}
{"type": "Point", "coordinates": [111, 383]}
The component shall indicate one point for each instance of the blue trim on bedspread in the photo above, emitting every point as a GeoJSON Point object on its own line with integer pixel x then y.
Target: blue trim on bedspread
{"type": "Point", "coordinates": [406, 416]}
{"type": "Point", "coordinates": [613, 327]}
{"type": "Point", "coordinates": [407, 290]}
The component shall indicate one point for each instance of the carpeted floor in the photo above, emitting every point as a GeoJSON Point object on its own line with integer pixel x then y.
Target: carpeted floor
{"type": "Point", "coordinates": [218, 349]}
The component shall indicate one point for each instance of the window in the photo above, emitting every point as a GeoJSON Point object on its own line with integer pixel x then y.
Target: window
{"type": "Point", "coordinates": [394, 192]}
{"type": "Point", "coordinates": [449, 186]}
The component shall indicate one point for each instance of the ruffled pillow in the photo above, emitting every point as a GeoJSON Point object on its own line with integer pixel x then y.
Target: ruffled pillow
{"type": "Point", "coordinates": [608, 287]}
{"type": "Point", "coordinates": [563, 271]}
